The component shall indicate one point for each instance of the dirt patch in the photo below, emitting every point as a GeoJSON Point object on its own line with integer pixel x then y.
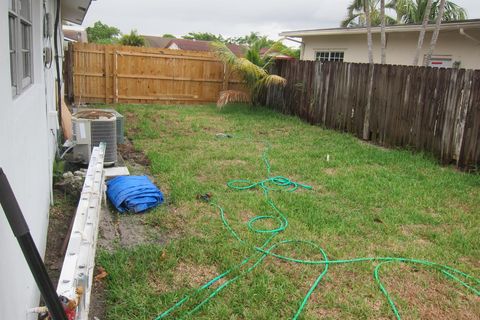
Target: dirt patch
{"type": "Point", "coordinates": [124, 230]}
{"type": "Point", "coordinates": [202, 178]}
{"type": "Point", "coordinates": [184, 275]}
{"type": "Point", "coordinates": [61, 215]}
{"type": "Point", "coordinates": [132, 123]}
{"type": "Point", "coordinates": [322, 313]}
{"type": "Point", "coordinates": [194, 276]}
{"type": "Point", "coordinates": [330, 171]}
{"type": "Point", "coordinates": [129, 153]}
{"type": "Point", "coordinates": [246, 216]}
{"type": "Point", "coordinates": [431, 296]}
{"type": "Point", "coordinates": [98, 300]}
{"type": "Point", "coordinates": [228, 163]}
{"type": "Point", "coordinates": [159, 284]}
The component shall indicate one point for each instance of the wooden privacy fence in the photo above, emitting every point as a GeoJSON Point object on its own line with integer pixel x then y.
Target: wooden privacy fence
{"type": "Point", "coordinates": [118, 74]}
{"type": "Point", "coordinates": [427, 109]}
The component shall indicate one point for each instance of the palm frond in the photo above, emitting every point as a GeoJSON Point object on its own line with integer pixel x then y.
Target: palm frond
{"type": "Point", "coordinates": [351, 20]}
{"type": "Point", "coordinates": [232, 96]}
{"type": "Point", "coordinates": [223, 52]}
{"type": "Point", "coordinates": [256, 77]}
{"type": "Point", "coordinates": [273, 80]}
{"type": "Point", "coordinates": [250, 72]}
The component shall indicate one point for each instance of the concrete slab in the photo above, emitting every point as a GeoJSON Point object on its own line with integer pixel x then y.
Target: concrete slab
{"type": "Point", "coordinates": [116, 172]}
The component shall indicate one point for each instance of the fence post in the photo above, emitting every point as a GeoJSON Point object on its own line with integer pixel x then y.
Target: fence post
{"type": "Point", "coordinates": [105, 73]}
{"type": "Point", "coordinates": [461, 117]}
{"type": "Point", "coordinates": [115, 76]}
{"type": "Point", "coordinates": [226, 77]}
{"type": "Point", "coordinates": [366, 122]}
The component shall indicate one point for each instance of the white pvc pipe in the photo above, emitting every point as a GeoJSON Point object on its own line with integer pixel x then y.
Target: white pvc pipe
{"type": "Point", "coordinates": [463, 33]}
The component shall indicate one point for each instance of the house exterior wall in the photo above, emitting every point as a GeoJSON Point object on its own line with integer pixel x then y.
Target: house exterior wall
{"type": "Point", "coordinates": [401, 47]}
{"type": "Point", "coordinates": [28, 128]}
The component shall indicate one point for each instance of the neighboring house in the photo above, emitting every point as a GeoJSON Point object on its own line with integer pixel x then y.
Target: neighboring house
{"type": "Point", "coordinates": [277, 55]}
{"type": "Point", "coordinates": [458, 44]}
{"type": "Point", "coordinates": [200, 45]}
{"type": "Point", "coordinates": [156, 42]}
{"type": "Point", "coordinates": [28, 133]}
{"type": "Point", "coordinates": [73, 35]}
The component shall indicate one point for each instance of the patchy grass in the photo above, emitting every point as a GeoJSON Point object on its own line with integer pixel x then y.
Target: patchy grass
{"type": "Point", "coordinates": [366, 201]}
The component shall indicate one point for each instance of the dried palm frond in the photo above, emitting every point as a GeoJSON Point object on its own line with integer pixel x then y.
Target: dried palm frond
{"type": "Point", "coordinates": [273, 80]}
{"type": "Point", "coordinates": [230, 96]}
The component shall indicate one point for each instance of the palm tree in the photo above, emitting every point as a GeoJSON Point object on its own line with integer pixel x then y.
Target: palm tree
{"type": "Point", "coordinates": [254, 74]}
{"type": "Point", "coordinates": [407, 11]}
{"type": "Point", "coordinates": [413, 11]}
{"type": "Point", "coordinates": [421, 37]}
{"type": "Point", "coordinates": [435, 33]}
{"type": "Point", "coordinates": [369, 30]}
{"type": "Point", "coordinates": [383, 38]}
{"type": "Point", "coordinates": [356, 14]}
{"type": "Point", "coordinates": [360, 15]}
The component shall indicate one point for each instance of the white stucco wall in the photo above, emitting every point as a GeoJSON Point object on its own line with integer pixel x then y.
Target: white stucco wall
{"type": "Point", "coordinates": [400, 47]}
{"type": "Point", "coordinates": [27, 146]}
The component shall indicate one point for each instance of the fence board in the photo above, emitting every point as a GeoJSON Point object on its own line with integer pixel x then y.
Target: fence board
{"type": "Point", "coordinates": [427, 109]}
{"type": "Point", "coordinates": [119, 74]}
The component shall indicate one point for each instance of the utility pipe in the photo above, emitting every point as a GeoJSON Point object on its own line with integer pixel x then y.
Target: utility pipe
{"type": "Point", "coordinates": [22, 233]}
{"type": "Point", "coordinates": [463, 33]}
{"type": "Point", "coordinates": [291, 39]}
{"type": "Point", "coordinates": [302, 45]}
{"type": "Point", "coordinates": [57, 62]}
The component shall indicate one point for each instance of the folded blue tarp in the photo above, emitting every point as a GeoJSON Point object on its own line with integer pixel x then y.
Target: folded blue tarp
{"type": "Point", "coordinates": [133, 193]}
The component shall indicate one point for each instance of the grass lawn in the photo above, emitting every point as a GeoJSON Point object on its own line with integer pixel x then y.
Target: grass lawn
{"type": "Point", "coordinates": [366, 202]}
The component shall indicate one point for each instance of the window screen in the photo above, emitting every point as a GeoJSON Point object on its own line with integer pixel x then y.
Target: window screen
{"type": "Point", "coordinates": [329, 56]}
{"type": "Point", "coordinates": [20, 44]}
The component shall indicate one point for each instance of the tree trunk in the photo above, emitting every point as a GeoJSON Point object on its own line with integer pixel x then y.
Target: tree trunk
{"type": "Point", "coordinates": [433, 43]}
{"type": "Point", "coordinates": [369, 31]}
{"type": "Point", "coordinates": [421, 37]}
{"type": "Point", "coordinates": [383, 39]}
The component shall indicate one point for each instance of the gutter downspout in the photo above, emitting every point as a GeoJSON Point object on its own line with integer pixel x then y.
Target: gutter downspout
{"type": "Point", "coordinates": [463, 33]}
{"type": "Point", "coordinates": [57, 63]}
{"type": "Point", "coordinates": [302, 45]}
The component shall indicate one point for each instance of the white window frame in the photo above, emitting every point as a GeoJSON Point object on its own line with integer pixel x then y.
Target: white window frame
{"type": "Point", "coordinates": [330, 55]}
{"type": "Point", "coordinates": [20, 45]}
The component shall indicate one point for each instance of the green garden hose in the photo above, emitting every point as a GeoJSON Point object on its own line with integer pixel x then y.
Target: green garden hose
{"type": "Point", "coordinates": [277, 183]}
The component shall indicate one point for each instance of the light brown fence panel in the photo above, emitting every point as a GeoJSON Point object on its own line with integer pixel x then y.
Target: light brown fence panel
{"type": "Point", "coordinates": [427, 109]}
{"type": "Point", "coordinates": [119, 74]}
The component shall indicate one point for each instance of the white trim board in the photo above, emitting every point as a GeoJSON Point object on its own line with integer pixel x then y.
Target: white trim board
{"type": "Point", "coordinates": [79, 263]}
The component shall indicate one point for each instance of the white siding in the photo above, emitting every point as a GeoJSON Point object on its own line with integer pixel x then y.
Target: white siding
{"type": "Point", "coordinates": [401, 47]}
{"type": "Point", "coordinates": [27, 146]}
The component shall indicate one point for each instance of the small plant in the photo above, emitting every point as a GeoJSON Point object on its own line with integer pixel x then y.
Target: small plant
{"type": "Point", "coordinates": [255, 76]}
{"type": "Point", "coordinates": [58, 170]}
{"type": "Point", "coordinates": [132, 39]}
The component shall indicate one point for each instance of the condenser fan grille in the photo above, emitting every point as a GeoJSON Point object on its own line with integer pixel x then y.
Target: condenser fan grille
{"type": "Point", "coordinates": [105, 131]}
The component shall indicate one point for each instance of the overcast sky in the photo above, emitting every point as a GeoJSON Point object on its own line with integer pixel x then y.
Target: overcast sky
{"type": "Point", "coordinates": [229, 18]}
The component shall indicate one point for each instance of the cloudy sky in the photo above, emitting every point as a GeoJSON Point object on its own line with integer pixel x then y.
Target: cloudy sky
{"type": "Point", "coordinates": [229, 18]}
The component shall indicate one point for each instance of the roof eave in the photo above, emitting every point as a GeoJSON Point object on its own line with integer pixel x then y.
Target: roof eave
{"type": "Point", "coordinates": [388, 29]}
{"type": "Point", "coordinates": [74, 11]}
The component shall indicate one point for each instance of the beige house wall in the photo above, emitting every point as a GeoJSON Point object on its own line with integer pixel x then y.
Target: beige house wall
{"type": "Point", "coordinates": [401, 47]}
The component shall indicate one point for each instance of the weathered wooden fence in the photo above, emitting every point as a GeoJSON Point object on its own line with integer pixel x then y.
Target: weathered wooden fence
{"type": "Point", "coordinates": [118, 74]}
{"type": "Point", "coordinates": [427, 109]}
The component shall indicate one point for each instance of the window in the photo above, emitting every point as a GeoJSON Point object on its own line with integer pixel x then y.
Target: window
{"type": "Point", "coordinates": [20, 42]}
{"type": "Point", "coordinates": [329, 56]}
